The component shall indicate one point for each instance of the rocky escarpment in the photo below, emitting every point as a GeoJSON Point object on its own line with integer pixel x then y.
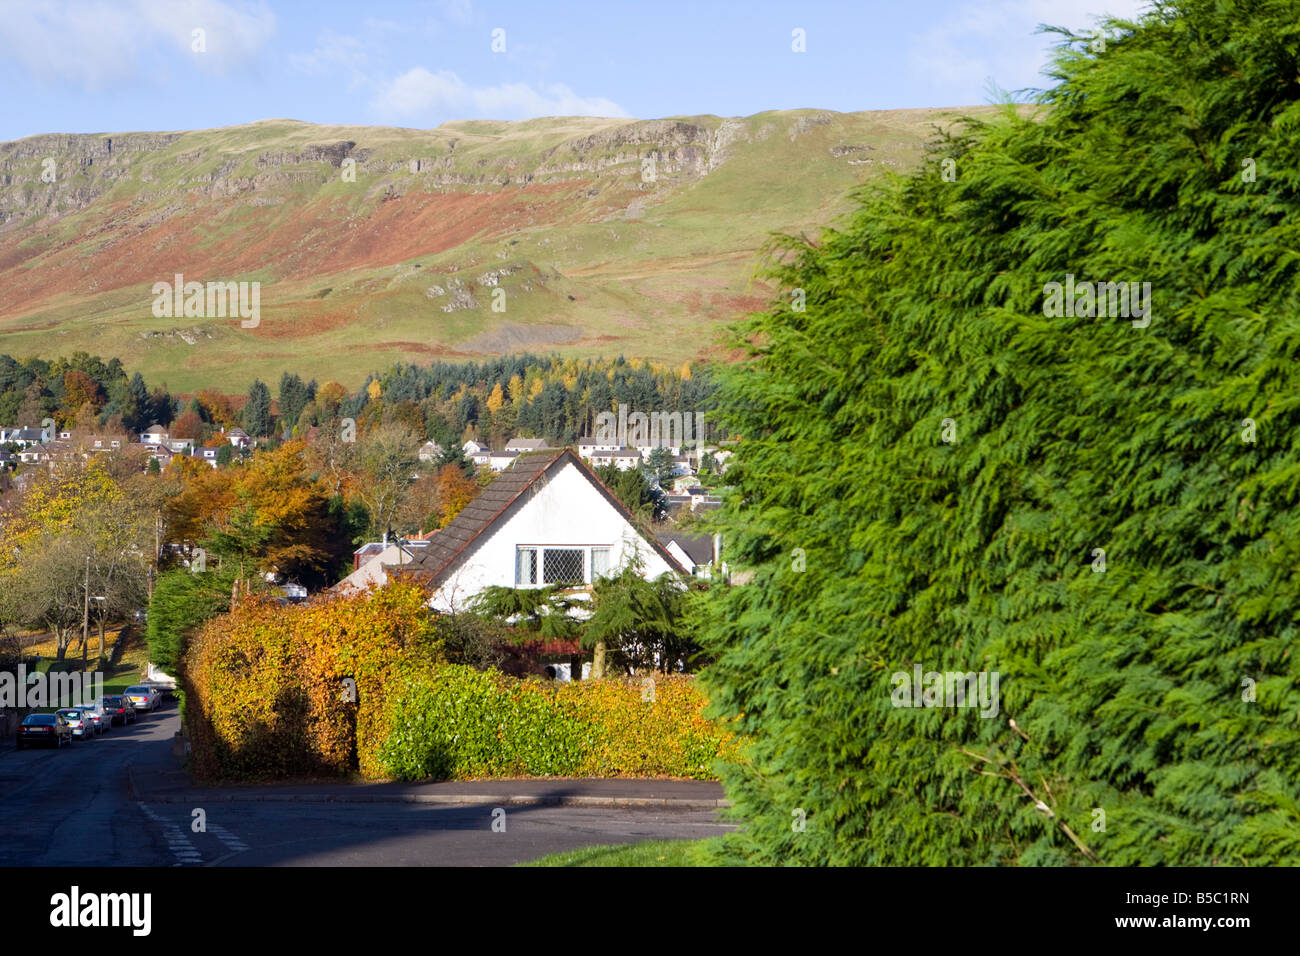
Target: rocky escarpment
{"type": "Point", "coordinates": [63, 172]}
{"type": "Point", "coordinates": [52, 175]}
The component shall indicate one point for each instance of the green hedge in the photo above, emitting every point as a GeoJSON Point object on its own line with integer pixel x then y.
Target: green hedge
{"type": "Point", "coordinates": [453, 722]}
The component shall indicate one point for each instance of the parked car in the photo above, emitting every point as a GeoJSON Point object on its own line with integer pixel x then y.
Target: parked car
{"type": "Point", "coordinates": [95, 712]}
{"type": "Point", "coordinates": [80, 722]}
{"type": "Point", "coordinates": [144, 696]}
{"type": "Point", "coordinates": [39, 730]}
{"type": "Point", "coordinates": [120, 710]}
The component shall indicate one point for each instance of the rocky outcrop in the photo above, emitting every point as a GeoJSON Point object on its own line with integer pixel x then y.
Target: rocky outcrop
{"type": "Point", "coordinates": [332, 155]}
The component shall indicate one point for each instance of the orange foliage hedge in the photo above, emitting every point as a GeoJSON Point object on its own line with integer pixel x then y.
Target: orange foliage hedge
{"type": "Point", "coordinates": [265, 698]}
{"type": "Point", "coordinates": [265, 684]}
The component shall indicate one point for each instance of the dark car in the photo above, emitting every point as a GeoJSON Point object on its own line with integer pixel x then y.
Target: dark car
{"type": "Point", "coordinates": [44, 730]}
{"type": "Point", "coordinates": [119, 709]}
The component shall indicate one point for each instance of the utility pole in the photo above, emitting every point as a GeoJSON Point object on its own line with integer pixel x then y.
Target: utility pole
{"type": "Point", "coordinates": [157, 547]}
{"type": "Point", "coordinates": [85, 617]}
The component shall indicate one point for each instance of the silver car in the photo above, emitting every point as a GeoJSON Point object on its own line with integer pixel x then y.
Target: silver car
{"type": "Point", "coordinates": [144, 696]}
{"type": "Point", "coordinates": [97, 716]}
{"type": "Point", "coordinates": [80, 722]}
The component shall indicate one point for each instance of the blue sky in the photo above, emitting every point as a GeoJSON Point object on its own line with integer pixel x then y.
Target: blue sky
{"type": "Point", "coordinates": [87, 66]}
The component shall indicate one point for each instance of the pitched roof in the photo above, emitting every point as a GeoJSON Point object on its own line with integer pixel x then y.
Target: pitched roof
{"type": "Point", "coordinates": [698, 547]}
{"type": "Point", "coordinates": [509, 491]}
{"type": "Point", "coordinates": [526, 444]}
{"type": "Point", "coordinates": [621, 453]}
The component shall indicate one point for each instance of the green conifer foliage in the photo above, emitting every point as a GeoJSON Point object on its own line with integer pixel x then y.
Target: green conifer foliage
{"type": "Point", "coordinates": [1077, 503]}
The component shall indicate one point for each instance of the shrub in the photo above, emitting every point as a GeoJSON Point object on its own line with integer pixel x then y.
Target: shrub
{"type": "Point", "coordinates": [265, 684]}
{"type": "Point", "coordinates": [453, 722]}
{"type": "Point", "coordinates": [264, 688]}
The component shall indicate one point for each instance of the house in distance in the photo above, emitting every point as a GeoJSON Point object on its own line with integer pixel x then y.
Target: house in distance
{"type": "Point", "coordinates": [547, 519]}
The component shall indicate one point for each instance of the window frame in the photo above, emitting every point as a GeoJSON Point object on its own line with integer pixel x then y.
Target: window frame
{"type": "Point", "coordinates": [538, 564]}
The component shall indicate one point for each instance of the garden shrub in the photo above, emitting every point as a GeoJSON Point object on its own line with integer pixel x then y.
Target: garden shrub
{"type": "Point", "coordinates": [265, 684]}
{"type": "Point", "coordinates": [453, 722]}
{"type": "Point", "coordinates": [266, 700]}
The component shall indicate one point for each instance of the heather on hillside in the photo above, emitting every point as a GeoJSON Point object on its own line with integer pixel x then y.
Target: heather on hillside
{"type": "Point", "coordinates": [1098, 507]}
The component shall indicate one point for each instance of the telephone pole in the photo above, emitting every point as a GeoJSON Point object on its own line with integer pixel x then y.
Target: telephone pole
{"type": "Point", "coordinates": [85, 617]}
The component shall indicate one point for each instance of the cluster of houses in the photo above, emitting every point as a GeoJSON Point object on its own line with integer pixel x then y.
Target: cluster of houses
{"type": "Point", "coordinates": [545, 519]}
{"type": "Point", "coordinates": [684, 493]}
{"type": "Point", "coordinates": [35, 445]}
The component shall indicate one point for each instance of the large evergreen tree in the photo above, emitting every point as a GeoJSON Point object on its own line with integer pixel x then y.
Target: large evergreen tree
{"type": "Point", "coordinates": [257, 412]}
{"type": "Point", "coordinates": [936, 472]}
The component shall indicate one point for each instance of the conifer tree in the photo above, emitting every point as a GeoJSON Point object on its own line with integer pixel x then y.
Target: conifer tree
{"type": "Point", "coordinates": [942, 470]}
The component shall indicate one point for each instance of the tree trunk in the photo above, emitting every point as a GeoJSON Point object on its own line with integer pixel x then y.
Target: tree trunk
{"type": "Point", "coordinates": [598, 661]}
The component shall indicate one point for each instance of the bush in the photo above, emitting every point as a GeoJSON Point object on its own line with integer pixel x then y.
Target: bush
{"type": "Point", "coordinates": [264, 688]}
{"type": "Point", "coordinates": [265, 684]}
{"type": "Point", "coordinates": [452, 722]}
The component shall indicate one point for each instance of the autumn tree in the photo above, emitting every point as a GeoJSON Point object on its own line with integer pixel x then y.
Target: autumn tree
{"type": "Point", "coordinates": [454, 492]}
{"type": "Point", "coordinates": [388, 458]}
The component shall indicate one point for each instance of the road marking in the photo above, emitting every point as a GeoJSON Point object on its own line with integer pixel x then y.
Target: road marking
{"type": "Point", "coordinates": [231, 841]}
{"type": "Point", "coordinates": [177, 842]}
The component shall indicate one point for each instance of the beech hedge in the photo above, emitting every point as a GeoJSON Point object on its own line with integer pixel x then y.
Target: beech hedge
{"type": "Point", "coordinates": [360, 685]}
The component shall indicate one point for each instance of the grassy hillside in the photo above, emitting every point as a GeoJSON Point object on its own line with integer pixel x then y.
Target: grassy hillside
{"type": "Point", "coordinates": [401, 262]}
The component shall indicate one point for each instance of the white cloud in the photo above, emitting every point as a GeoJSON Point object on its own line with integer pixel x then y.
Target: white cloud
{"type": "Point", "coordinates": [457, 11]}
{"type": "Point", "coordinates": [421, 95]}
{"type": "Point", "coordinates": [351, 55]}
{"type": "Point", "coordinates": [101, 44]}
{"type": "Point", "coordinates": [980, 42]}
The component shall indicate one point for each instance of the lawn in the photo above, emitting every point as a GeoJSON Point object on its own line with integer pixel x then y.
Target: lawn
{"type": "Point", "coordinates": [651, 853]}
{"type": "Point", "coordinates": [117, 677]}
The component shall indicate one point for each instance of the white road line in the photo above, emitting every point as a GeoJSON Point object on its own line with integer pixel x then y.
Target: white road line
{"type": "Point", "coordinates": [177, 842]}
{"type": "Point", "coordinates": [231, 841]}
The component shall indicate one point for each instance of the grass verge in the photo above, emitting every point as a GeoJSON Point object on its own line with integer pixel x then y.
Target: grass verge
{"type": "Point", "coordinates": [650, 853]}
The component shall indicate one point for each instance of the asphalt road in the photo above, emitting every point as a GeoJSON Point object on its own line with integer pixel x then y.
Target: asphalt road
{"type": "Point", "coordinates": [76, 807]}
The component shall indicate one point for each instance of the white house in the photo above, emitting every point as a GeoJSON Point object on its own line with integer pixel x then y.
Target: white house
{"type": "Point", "coordinates": [473, 448]}
{"type": "Point", "coordinates": [372, 573]}
{"type": "Point", "coordinates": [430, 451]}
{"type": "Point", "coordinates": [547, 519]}
{"type": "Point", "coordinates": [527, 444]}
{"type": "Point", "coordinates": [622, 458]}
{"type": "Point", "coordinates": [154, 435]}
{"type": "Point", "coordinates": [699, 552]}
{"type": "Point", "coordinates": [587, 445]}
{"type": "Point", "coordinates": [22, 437]}
{"type": "Point", "coordinates": [501, 460]}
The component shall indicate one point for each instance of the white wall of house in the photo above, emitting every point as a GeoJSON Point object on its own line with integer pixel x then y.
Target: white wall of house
{"type": "Point", "coordinates": [566, 512]}
{"type": "Point", "coordinates": [625, 461]}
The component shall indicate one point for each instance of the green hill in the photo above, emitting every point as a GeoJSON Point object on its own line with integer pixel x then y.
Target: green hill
{"type": "Point", "coordinates": [371, 245]}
